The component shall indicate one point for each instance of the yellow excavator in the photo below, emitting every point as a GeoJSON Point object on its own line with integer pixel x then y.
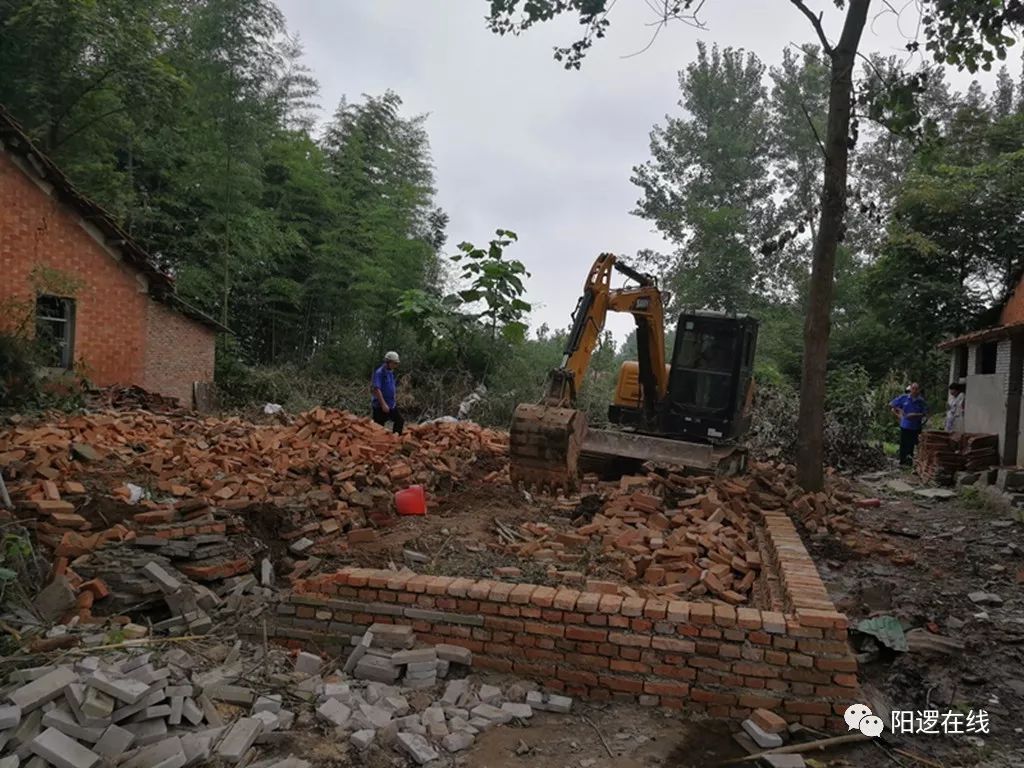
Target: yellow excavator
{"type": "Point", "coordinates": [689, 411]}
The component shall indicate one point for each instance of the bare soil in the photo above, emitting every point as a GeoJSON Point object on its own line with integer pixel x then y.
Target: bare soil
{"type": "Point", "coordinates": [958, 547]}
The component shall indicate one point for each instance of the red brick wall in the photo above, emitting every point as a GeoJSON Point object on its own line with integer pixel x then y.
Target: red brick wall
{"type": "Point", "coordinates": [179, 351]}
{"type": "Point", "coordinates": [660, 653]}
{"type": "Point", "coordinates": [122, 335]}
{"type": "Point", "coordinates": [1013, 310]}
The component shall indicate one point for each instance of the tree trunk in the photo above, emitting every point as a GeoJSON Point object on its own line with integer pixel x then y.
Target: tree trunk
{"type": "Point", "coordinates": [810, 452]}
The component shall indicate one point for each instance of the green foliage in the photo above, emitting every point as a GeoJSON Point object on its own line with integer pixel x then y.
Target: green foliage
{"type": "Point", "coordinates": [707, 188]}
{"type": "Point", "coordinates": [497, 283]}
{"type": "Point", "coordinates": [18, 384]}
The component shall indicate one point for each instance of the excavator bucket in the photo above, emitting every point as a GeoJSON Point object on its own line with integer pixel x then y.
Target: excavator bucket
{"type": "Point", "coordinates": [544, 446]}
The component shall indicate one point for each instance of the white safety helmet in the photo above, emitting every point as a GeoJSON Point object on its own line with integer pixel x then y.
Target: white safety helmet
{"type": "Point", "coordinates": [391, 357]}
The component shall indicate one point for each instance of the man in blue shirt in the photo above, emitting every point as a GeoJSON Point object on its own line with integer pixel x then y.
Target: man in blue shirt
{"type": "Point", "coordinates": [912, 411]}
{"type": "Point", "coordinates": [382, 386]}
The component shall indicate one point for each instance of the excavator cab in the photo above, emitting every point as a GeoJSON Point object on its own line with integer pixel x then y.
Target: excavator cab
{"type": "Point", "coordinates": [709, 382]}
{"type": "Point", "coordinates": [710, 385]}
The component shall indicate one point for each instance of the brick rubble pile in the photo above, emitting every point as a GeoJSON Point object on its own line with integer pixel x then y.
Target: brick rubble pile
{"type": "Point", "coordinates": [675, 536]}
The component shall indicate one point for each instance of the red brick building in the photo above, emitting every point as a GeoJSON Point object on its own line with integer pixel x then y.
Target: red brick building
{"type": "Point", "coordinates": [89, 294]}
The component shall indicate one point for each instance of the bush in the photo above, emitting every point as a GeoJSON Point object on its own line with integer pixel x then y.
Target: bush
{"type": "Point", "coordinates": [18, 383]}
{"type": "Point", "coordinates": [848, 421]}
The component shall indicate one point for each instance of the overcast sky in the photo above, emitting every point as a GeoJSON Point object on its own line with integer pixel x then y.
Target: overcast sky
{"type": "Point", "coordinates": [521, 143]}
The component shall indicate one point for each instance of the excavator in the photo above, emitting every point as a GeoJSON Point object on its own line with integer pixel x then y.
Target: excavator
{"type": "Point", "coordinates": [690, 411]}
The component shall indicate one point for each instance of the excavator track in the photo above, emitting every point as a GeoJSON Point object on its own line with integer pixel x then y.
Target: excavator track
{"type": "Point", "coordinates": [544, 447]}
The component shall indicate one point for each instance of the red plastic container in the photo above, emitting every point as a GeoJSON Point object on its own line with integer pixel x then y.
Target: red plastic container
{"type": "Point", "coordinates": [411, 501]}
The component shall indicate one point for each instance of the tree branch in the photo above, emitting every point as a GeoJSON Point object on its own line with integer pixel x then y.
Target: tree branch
{"type": "Point", "coordinates": [816, 23]}
{"type": "Point", "coordinates": [814, 130]}
{"type": "Point", "coordinates": [88, 125]}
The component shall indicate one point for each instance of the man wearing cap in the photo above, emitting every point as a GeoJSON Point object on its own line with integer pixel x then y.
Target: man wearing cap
{"type": "Point", "coordinates": [912, 411]}
{"type": "Point", "coordinates": [382, 385]}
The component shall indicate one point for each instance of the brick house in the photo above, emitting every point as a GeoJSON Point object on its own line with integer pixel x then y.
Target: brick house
{"type": "Point", "coordinates": [89, 294]}
{"type": "Point", "coordinates": [990, 362]}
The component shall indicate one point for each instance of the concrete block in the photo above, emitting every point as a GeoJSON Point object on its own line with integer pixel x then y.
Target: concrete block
{"type": "Point", "coordinates": [124, 689]}
{"type": "Point", "coordinates": [96, 704]}
{"type": "Point", "coordinates": [458, 741]}
{"type": "Point", "coordinates": [454, 654]}
{"type": "Point", "coordinates": [43, 689]}
{"type": "Point", "coordinates": [114, 742]}
{"type": "Point", "coordinates": [191, 712]}
{"type": "Point", "coordinates": [491, 713]}
{"type": "Point", "coordinates": [416, 747]}
{"type": "Point", "coordinates": [762, 739]}
{"type": "Point", "coordinates": [239, 739]}
{"type": "Point", "coordinates": [198, 748]}
{"type": "Point", "coordinates": [362, 740]}
{"type": "Point", "coordinates": [334, 712]}
{"type": "Point", "coordinates": [454, 691]}
{"type": "Point", "coordinates": [65, 722]}
{"type": "Point", "coordinates": [421, 668]}
{"type": "Point", "coordinates": [378, 717]}
{"type": "Point", "coordinates": [415, 656]}
{"type": "Point", "coordinates": [308, 663]}
{"type": "Point", "coordinates": [392, 636]}
{"type": "Point", "coordinates": [177, 710]}
{"type": "Point", "coordinates": [377, 669]}
{"type": "Point", "coordinates": [167, 753]}
{"type": "Point", "coordinates": [129, 710]}
{"type": "Point", "coordinates": [481, 723]}
{"type": "Point", "coordinates": [398, 705]}
{"type": "Point", "coordinates": [489, 694]}
{"type": "Point", "coordinates": [522, 711]}
{"type": "Point", "coordinates": [232, 694]}
{"type": "Point", "coordinates": [11, 761]}
{"type": "Point", "coordinates": [340, 691]}
{"type": "Point", "coordinates": [266, 573]}
{"type": "Point", "coordinates": [62, 751]}
{"type": "Point", "coordinates": [28, 674]}
{"type": "Point", "coordinates": [549, 702]}
{"type": "Point", "coordinates": [270, 721]}
{"type": "Point", "coordinates": [433, 720]}
{"type": "Point", "coordinates": [10, 716]}
{"type": "Point", "coordinates": [167, 583]}
{"type": "Point", "coordinates": [147, 732]}
{"type": "Point", "coordinates": [151, 713]}
{"type": "Point", "coordinates": [30, 726]}
{"type": "Point", "coordinates": [267, 704]}
{"type": "Point", "coordinates": [285, 718]}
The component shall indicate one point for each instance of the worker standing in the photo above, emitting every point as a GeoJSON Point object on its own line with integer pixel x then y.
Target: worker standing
{"type": "Point", "coordinates": [384, 403]}
{"type": "Point", "coordinates": [955, 408]}
{"type": "Point", "coordinates": [912, 411]}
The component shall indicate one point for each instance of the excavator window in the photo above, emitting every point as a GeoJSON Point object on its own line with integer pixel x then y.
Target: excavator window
{"type": "Point", "coordinates": [705, 367]}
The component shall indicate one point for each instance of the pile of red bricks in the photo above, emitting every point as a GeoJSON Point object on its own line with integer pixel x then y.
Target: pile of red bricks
{"type": "Point", "coordinates": [325, 459]}
{"type": "Point", "coordinates": [659, 652]}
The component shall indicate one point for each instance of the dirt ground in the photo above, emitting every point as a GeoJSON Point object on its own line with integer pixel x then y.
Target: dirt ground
{"type": "Point", "coordinates": [959, 546]}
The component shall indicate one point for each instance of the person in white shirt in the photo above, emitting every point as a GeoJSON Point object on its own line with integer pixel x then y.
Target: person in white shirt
{"type": "Point", "coordinates": [955, 408]}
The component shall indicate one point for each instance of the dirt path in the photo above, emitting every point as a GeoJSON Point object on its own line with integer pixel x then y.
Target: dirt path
{"type": "Point", "coordinates": [958, 547]}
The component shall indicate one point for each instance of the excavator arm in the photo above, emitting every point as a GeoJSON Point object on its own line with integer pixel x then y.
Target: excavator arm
{"type": "Point", "coordinates": [546, 438]}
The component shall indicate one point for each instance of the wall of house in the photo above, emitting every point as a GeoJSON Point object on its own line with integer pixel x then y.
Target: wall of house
{"type": "Point", "coordinates": [179, 351]}
{"type": "Point", "coordinates": [121, 334]}
{"type": "Point", "coordinates": [110, 300]}
{"type": "Point", "coordinates": [1013, 309]}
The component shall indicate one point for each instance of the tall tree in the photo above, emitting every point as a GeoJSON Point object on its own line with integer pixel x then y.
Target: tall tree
{"type": "Point", "coordinates": [969, 33]}
{"type": "Point", "coordinates": [707, 188]}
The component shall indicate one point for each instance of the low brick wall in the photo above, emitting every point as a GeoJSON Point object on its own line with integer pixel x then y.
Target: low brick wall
{"type": "Point", "coordinates": [596, 646]}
